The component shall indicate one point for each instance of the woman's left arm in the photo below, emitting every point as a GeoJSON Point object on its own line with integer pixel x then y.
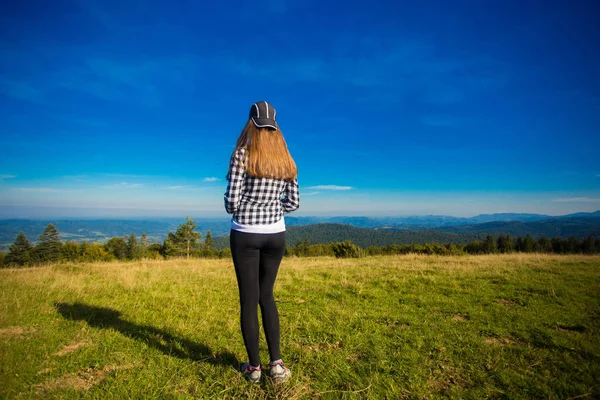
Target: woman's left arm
{"type": "Point", "coordinates": [291, 196]}
{"type": "Point", "coordinates": [237, 182]}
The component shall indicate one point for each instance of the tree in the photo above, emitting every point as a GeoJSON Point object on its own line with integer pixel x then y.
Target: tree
{"type": "Point", "coordinates": [557, 245]}
{"type": "Point", "coordinates": [475, 247]}
{"type": "Point", "coordinates": [169, 247]}
{"type": "Point", "coordinates": [155, 251]}
{"type": "Point", "coordinates": [144, 240]}
{"type": "Point", "coordinates": [529, 244]}
{"type": "Point", "coordinates": [544, 244]}
{"type": "Point", "coordinates": [184, 241]}
{"type": "Point", "coordinates": [225, 253]}
{"type": "Point", "coordinates": [92, 252]}
{"type": "Point", "coordinates": [144, 245]}
{"type": "Point", "coordinates": [588, 245]}
{"type": "Point", "coordinates": [208, 240]}
{"type": "Point", "coordinates": [506, 244]}
{"type": "Point", "coordinates": [19, 252]}
{"type": "Point", "coordinates": [48, 250]}
{"type": "Point", "coordinates": [490, 245]}
{"type": "Point", "coordinates": [134, 250]}
{"type": "Point", "coordinates": [346, 249]}
{"type": "Point", "coordinates": [117, 247]}
{"type": "Point", "coordinates": [70, 251]}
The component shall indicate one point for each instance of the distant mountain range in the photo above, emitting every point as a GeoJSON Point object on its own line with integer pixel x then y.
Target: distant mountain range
{"type": "Point", "coordinates": [429, 221]}
{"type": "Point", "coordinates": [415, 229]}
{"type": "Point", "coordinates": [560, 227]}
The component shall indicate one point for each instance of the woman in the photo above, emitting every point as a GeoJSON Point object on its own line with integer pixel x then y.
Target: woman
{"type": "Point", "coordinates": [263, 185]}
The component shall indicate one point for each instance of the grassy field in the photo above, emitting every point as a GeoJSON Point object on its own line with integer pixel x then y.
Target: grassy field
{"type": "Point", "coordinates": [514, 326]}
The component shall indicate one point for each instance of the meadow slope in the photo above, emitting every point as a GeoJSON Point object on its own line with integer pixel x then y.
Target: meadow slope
{"type": "Point", "coordinates": [498, 326]}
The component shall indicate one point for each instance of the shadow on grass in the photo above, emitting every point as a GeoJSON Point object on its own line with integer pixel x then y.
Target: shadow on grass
{"type": "Point", "coordinates": [108, 318]}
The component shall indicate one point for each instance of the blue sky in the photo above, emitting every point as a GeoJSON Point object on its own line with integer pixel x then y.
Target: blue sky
{"type": "Point", "coordinates": [132, 108]}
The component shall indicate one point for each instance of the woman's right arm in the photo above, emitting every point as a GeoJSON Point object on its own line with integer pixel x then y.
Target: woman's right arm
{"type": "Point", "coordinates": [237, 179]}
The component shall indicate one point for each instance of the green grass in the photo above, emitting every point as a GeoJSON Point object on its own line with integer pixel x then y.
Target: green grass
{"type": "Point", "coordinates": [517, 326]}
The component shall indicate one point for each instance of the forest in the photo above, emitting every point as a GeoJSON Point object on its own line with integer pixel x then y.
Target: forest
{"type": "Point", "coordinates": [188, 243]}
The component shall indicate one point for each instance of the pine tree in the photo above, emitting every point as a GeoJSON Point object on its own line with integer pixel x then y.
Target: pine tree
{"type": "Point", "coordinates": [208, 240]}
{"type": "Point", "coordinates": [186, 237]}
{"type": "Point", "coordinates": [184, 241]}
{"type": "Point", "coordinates": [529, 244]}
{"type": "Point", "coordinates": [48, 250]}
{"type": "Point", "coordinates": [19, 252]}
{"type": "Point", "coordinates": [169, 246]}
{"type": "Point", "coordinates": [510, 244]}
{"type": "Point", "coordinates": [134, 250]}
{"type": "Point", "coordinates": [144, 245]}
{"type": "Point", "coordinates": [490, 245]}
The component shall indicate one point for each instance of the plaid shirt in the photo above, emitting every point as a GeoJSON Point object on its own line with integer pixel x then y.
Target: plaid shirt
{"type": "Point", "coordinates": [258, 201]}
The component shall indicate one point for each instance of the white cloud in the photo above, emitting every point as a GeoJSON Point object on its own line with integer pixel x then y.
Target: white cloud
{"type": "Point", "coordinates": [6, 176]}
{"type": "Point", "coordinates": [330, 187]}
{"type": "Point", "coordinates": [577, 200]}
{"type": "Point", "coordinates": [186, 188]}
{"type": "Point", "coordinates": [310, 194]}
{"type": "Point", "coordinates": [211, 179]}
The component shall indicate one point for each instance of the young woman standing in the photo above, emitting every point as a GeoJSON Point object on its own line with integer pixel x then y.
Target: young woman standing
{"type": "Point", "coordinates": [263, 185]}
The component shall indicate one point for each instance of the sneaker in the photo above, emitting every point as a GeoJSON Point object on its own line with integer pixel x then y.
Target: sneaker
{"type": "Point", "coordinates": [279, 372]}
{"type": "Point", "coordinates": [251, 373]}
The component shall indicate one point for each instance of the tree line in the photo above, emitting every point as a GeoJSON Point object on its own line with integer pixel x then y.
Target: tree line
{"type": "Point", "coordinates": [186, 242]}
{"type": "Point", "coordinates": [502, 244]}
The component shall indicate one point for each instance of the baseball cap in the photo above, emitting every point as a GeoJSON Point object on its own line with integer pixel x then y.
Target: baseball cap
{"type": "Point", "coordinates": [263, 115]}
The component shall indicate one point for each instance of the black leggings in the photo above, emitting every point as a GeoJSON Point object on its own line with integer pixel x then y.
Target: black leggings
{"type": "Point", "coordinates": [256, 257]}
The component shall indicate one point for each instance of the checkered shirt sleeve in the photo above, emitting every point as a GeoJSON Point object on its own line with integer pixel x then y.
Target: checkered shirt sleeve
{"type": "Point", "coordinates": [291, 196]}
{"type": "Point", "coordinates": [258, 201]}
{"type": "Point", "coordinates": [237, 182]}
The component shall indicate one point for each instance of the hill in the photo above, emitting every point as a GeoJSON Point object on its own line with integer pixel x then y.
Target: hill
{"type": "Point", "coordinates": [560, 227]}
{"type": "Point", "coordinates": [364, 237]}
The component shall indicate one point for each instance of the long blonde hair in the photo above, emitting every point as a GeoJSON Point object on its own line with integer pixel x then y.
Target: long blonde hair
{"type": "Point", "coordinates": [267, 155]}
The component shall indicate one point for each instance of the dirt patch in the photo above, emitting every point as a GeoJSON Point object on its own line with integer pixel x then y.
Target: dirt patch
{"type": "Point", "coordinates": [15, 332]}
{"type": "Point", "coordinates": [460, 318]}
{"type": "Point", "coordinates": [446, 377]}
{"type": "Point", "coordinates": [44, 371]}
{"type": "Point", "coordinates": [82, 380]}
{"type": "Point", "coordinates": [507, 302]}
{"type": "Point", "coordinates": [499, 341]}
{"type": "Point", "coordinates": [570, 328]}
{"type": "Point", "coordinates": [324, 346]}
{"type": "Point", "coordinates": [66, 349]}
{"type": "Point", "coordinates": [296, 300]}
